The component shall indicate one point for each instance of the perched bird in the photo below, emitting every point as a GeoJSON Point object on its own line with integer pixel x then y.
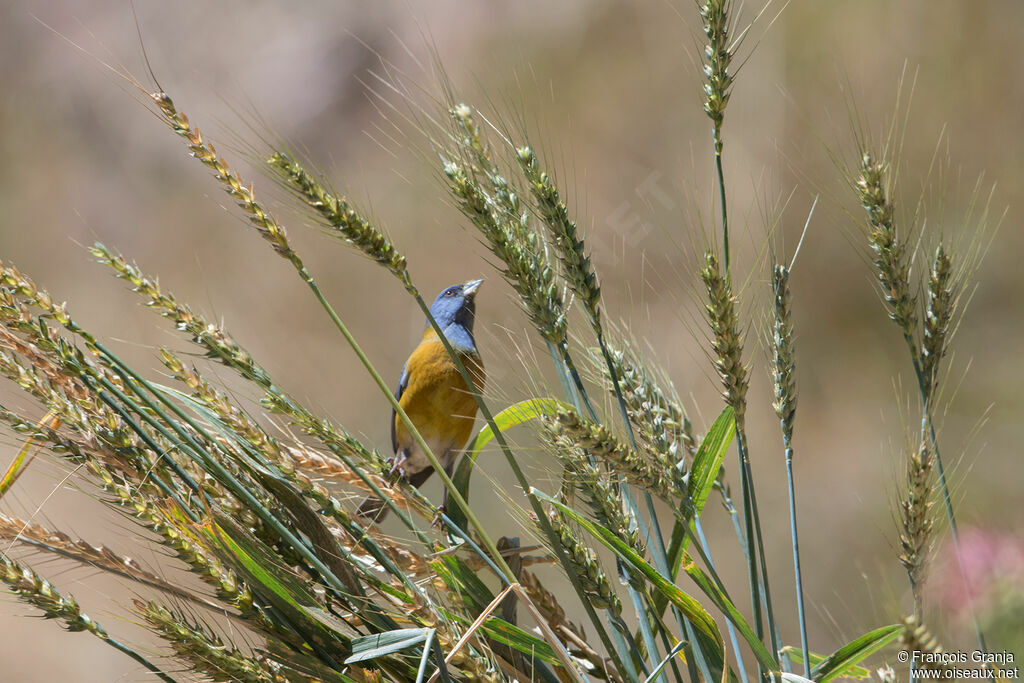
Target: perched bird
{"type": "Point", "coordinates": [434, 395]}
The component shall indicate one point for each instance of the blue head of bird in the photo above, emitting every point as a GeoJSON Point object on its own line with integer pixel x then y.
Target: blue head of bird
{"type": "Point", "coordinates": [454, 310]}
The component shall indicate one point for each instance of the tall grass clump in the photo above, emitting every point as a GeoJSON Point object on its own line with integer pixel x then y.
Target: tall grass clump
{"type": "Point", "coordinates": [926, 330]}
{"type": "Point", "coordinates": [292, 585]}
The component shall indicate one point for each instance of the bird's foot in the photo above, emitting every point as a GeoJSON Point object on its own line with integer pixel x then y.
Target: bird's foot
{"type": "Point", "coordinates": [395, 472]}
{"type": "Point", "coordinates": [438, 522]}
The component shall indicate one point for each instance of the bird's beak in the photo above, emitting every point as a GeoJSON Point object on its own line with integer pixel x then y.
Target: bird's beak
{"type": "Point", "coordinates": [469, 289]}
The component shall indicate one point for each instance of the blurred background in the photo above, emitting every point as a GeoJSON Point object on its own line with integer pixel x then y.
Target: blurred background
{"type": "Point", "coordinates": [610, 94]}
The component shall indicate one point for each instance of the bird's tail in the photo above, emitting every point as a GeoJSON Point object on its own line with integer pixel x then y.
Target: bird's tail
{"type": "Point", "coordinates": [372, 508]}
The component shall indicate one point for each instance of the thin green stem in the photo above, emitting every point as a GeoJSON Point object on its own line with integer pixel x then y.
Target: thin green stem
{"type": "Point", "coordinates": [645, 631]}
{"type": "Point", "coordinates": [717, 134]}
{"type": "Point", "coordinates": [741, 440]}
{"type": "Point", "coordinates": [925, 391]}
{"type": "Point", "coordinates": [748, 525]}
{"type": "Point", "coordinates": [796, 561]}
{"type": "Point", "coordinates": [574, 373]}
{"type": "Point", "coordinates": [120, 647]}
{"type": "Point", "coordinates": [733, 638]}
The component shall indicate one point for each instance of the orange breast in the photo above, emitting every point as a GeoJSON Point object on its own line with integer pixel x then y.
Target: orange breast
{"type": "Point", "coordinates": [437, 399]}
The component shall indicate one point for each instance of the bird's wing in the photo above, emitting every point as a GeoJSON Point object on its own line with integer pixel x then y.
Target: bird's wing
{"type": "Point", "coordinates": [402, 384]}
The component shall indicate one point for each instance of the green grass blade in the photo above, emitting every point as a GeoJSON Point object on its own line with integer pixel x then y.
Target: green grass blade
{"type": "Point", "coordinates": [722, 602]}
{"type": "Point", "coordinates": [846, 658]}
{"type": "Point", "coordinates": [389, 642]}
{"type": "Point", "coordinates": [797, 655]}
{"type": "Point", "coordinates": [708, 459]}
{"type": "Point", "coordinates": [509, 634]}
{"type": "Point", "coordinates": [706, 463]}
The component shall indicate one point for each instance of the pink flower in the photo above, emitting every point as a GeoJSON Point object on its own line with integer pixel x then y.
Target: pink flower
{"type": "Point", "coordinates": [991, 561]}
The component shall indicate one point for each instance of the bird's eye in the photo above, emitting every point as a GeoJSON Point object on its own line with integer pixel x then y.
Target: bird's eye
{"type": "Point", "coordinates": [449, 292]}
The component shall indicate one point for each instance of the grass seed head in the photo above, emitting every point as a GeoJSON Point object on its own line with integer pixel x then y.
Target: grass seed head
{"type": "Point", "coordinates": [916, 518]}
{"type": "Point", "coordinates": [341, 217]}
{"type": "Point", "coordinates": [571, 251]}
{"type": "Point", "coordinates": [717, 59]}
{"type": "Point", "coordinates": [783, 354]}
{"type": "Point", "coordinates": [588, 568]}
{"type": "Point", "coordinates": [890, 257]}
{"type": "Point", "coordinates": [725, 337]}
{"type": "Point", "coordinates": [938, 318]}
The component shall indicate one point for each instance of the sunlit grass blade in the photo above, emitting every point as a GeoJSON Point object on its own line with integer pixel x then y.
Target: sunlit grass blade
{"type": "Point", "coordinates": [722, 602]}
{"type": "Point", "coordinates": [703, 471]}
{"type": "Point", "coordinates": [381, 644]}
{"type": "Point", "coordinates": [797, 655]}
{"type": "Point", "coordinates": [22, 459]}
{"type": "Point", "coordinates": [846, 658]}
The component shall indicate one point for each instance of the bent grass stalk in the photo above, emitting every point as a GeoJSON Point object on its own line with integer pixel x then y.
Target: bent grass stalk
{"type": "Point", "coordinates": [41, 594]}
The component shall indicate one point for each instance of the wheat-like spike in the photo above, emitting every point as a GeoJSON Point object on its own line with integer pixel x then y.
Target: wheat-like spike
{"type": "Point", "coordinates": [202, 650]}
{"type": "Point", "coordinates": [40, 593]}
{"type": "Point", "coordinates": [46, 378]}
{"type": "Point", "coordinates": [571, 250]}
{"type": "Point", "coordinates": [342, 219]}
{"type": "Point", "coordinates": [221, 346]}
{"type": "Point", "coordinates": [219, 403]}
{"type": "Point", "coordinates": [661, 423]}
{"type": "Point", "coordinates": [783, 353]}
{"type": "Point", "coordinates": [889, 252]}
{"type": "Point", "coordinates": [726, 339]}
{"type": "Point", "coordinates": [264, 223]}
{"type": "Point", "coordinates": [80, 388]}
{"type": "Point", "coordinates": [916, 518]}
{"type": "Point", "coordinates": [596, 440]}
{"type": "Point", "coordinates": [59, 543]}
{"type": "Point", "coordinates": [916, 638]}
{"type": "Point", "coordinates": [214, 339]}
{"type": "Point", "coordinates": [505, 225]}
{"type": "Point", "coordinates": [717, 59]}
{"type": "Point", "coordinates": [43, 432]}
{"type": "Point", "coordinates": [515, 245]}
{"type": "Point", "coordinates": [937, 320]}
{"type": "Point", "coordinates": [229, 587]}
{"type": "Point", "coordinates": [102, 433]}
{"type": "Point", "coordinates": [601, 493]}
{"type": "Point", "coordinates": [588, 568]}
